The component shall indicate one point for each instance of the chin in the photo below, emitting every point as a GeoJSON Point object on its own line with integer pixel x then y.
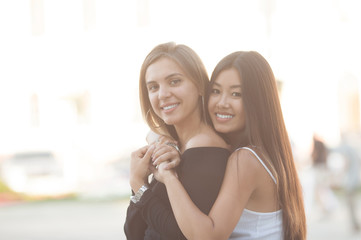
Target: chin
{"type": "Point", "coordinates": [170, 121]}
{"type": "Point", "coordinates": [222, 129]}
{"type": "Point", "coordinates": [226, 129]}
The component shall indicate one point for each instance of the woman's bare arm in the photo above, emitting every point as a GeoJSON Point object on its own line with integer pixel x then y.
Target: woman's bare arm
{"type": "Point", "coordinates": [238, 185]}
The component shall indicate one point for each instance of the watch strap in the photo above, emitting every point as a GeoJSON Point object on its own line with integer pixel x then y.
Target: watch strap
{"type": "Point", "coordinates": [135, 198]}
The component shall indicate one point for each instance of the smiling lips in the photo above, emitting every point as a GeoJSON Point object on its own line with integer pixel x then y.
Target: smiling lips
{"type": "Point", "coordinates": [224, 116]}
{"type": "Point", "coordinates": [170, 107]}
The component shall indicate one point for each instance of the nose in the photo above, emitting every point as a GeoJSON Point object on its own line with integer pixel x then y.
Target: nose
{"type": "Point", "coordinates": [223, 101]}
{"type": "Point", "coordinates": [163, 92]}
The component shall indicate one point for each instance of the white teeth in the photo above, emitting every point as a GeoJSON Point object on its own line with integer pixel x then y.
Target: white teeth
{"type": "Point", "coordinates": [224, 116]}
{"type": "Point", "coordinates": [169, 107]}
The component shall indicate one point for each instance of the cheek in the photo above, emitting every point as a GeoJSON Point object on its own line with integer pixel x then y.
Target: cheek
{"type": "Point", "coordinates": [153, 101]}
{"type": "Point", "coordinates": [242, 116]}
{"type": "Point", "coordinates": [190, 96]}
{"type": "Point", "coordinates": [190, 93]}
{"type": "Point", "coordinates": [211, 104]}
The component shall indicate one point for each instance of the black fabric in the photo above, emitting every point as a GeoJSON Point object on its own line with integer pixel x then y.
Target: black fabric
{"type": "Point", "coordinates": [201, 172]}
{"type": "Point", "coordinates": [135, 225]}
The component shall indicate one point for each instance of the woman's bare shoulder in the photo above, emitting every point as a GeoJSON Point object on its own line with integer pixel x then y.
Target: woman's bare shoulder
{"type": "Point", "coordinates": [245, 159]}
{"type": "Point", "coordinates": [207, 140]}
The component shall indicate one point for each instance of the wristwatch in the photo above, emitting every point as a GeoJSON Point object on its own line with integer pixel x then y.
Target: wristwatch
{"type": "Point", "coordinates": [139, 194]}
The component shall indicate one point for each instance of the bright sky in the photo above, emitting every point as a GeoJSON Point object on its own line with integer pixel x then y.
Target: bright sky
{"type": "Point", "coordinates": [312, 45]}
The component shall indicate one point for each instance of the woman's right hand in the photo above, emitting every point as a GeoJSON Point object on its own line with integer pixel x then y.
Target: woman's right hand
{"type": "Point", "coordinates": [139, 167]}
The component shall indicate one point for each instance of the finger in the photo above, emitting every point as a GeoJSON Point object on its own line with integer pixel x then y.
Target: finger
{"type": "Point", "coordinates": [172, 163]}
{"type": "Point", "coordinates": [163, 139]}
{"type": "Point", "coordinates": [169, 165]}
{"type": "Point", "coordinates": [144, 149]}
{"type": "Point", "coordinates": [154, 171]}
{"type": "Point", "coordinates": [136, 155]}
{"type": "Point", "coordinates": [140, 152]}
{"type": "Point", "coordinates": [159, 150]}
{"type": "Point", "coordinates": [148, 155]}
{"type": "Point", "coordinates": [169, 156]}
{"type": "Point", "coordinates": [162, 167]}
{"type": "Point", "coordinates": [162, 149]}
{"type": "Point", "coordinates": [165, 150]}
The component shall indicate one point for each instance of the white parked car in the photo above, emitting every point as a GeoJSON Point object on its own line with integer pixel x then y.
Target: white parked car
{"type": "Point", "coordinates": [34, 173]}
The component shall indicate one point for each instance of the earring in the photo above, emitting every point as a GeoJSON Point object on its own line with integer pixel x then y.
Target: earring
{"type": "Point", "coordinates": [147, 114]}
{"type": "Point", "coordinates": [204, 109]}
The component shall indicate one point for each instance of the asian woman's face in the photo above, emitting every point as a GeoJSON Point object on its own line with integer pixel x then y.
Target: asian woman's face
{"type": "Point", "coordinates": [225, 103]}
{"type": "Point", "coordinates": [173, 96]}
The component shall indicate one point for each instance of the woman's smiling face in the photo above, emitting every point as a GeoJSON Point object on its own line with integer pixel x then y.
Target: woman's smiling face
{"type": "Point", "coordinates": [225, 103]}
{"type": "Point", "coordinates": [173, 96]}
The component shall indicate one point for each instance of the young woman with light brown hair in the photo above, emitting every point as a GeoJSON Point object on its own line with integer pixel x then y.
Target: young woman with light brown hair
{"type": "Point", "coordinates": [173, 83]}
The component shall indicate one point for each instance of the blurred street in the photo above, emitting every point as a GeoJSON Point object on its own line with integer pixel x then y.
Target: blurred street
{"type": "Point", "coordinates": [94, 220]}
{"type": "Point", "coordinates": [334, 226]}
{"type": "Point", "coordinates": [63, 220]}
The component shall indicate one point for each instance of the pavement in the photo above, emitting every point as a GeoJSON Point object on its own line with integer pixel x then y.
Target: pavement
{"type": "Point", "coordinates": [104, 219]}
{"type": "Point", "coordinates": [335, 225]}
{"type": "Point", "coordinates": [63, 220]}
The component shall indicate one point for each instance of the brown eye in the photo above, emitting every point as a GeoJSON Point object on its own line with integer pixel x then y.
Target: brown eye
{"type": "Point", "coordinates": [236, 94]}
{"type": "Point", "coordinates": [152, 87]}
{"type": "Point", "coordinates": [174, 82]}
{"type": "Point", "coordinates": [215, 91]}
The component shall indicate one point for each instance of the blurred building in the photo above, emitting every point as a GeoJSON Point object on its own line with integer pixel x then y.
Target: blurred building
{"type": "Point", "coordinates": [69, 68]}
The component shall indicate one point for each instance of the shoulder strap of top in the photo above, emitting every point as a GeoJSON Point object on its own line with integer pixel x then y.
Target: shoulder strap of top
{"type": "Point", "coordinates": [260, 160]}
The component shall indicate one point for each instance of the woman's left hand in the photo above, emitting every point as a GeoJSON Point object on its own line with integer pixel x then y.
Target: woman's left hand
{"type": "Point", "coordinates": [166, 150]}
{"type": "Point", "coordinates": [166, 153]}
{"type": "Point", "coordinates": [139, 167]}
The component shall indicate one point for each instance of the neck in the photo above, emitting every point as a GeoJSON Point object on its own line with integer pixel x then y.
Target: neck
{"type": "Point", "coordinates": [236, 139]}
{"type": "Point", "coordinates": [188, 129]}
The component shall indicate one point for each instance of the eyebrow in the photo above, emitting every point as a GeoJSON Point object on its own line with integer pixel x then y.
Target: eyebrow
{"type": "Point", "coordinates": [167, 77]}
{"type": "Point", "coordinates": [232, 86]}
{"type": "Point", "coordinates": [173, 75]}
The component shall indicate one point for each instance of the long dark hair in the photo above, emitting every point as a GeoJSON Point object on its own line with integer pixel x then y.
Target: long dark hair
{"type": "Point", "coordinates": [265, 129]}
{"type": "Point", "coordinates": [193, 67]}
